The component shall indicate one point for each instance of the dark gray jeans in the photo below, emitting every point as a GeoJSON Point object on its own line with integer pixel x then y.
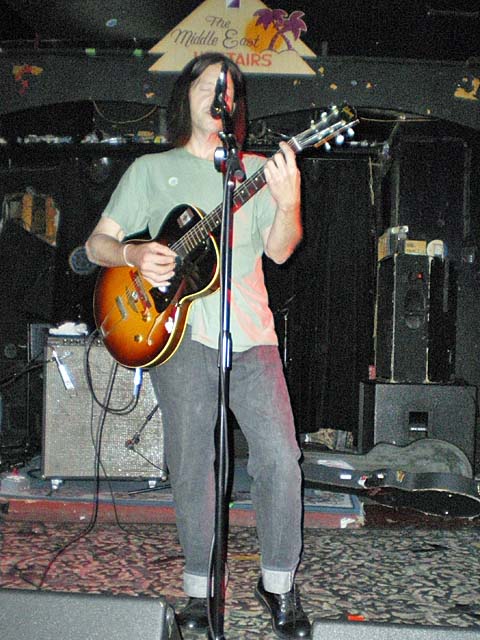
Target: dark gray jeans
{"type": "Point", "coordinates": [187, 388]}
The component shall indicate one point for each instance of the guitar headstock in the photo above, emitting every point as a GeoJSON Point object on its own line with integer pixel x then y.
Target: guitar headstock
{"type": "Point", "coordinates": [332, 124]}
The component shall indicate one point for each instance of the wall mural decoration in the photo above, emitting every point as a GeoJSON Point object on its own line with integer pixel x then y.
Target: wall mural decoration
{"type": "Point", "coordinates": [22, 74]}
{"type": "Point", "coordinates": [469, 88]}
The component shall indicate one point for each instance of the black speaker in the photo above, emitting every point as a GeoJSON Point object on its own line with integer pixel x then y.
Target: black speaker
{"type": "Point", "coordinates": [13, 413]}
{"type": "Point", "coordinates": [467, 347]}
{"type": "Point", "coordinates": [28, 272]}
{"type": "Point", "coordinates": [414, 319]}
{"type": "Point", "coordinates": [374, 631]}
{"type": "Point", "coordinates": [44, 615]}
{"type": "Point", "coordinates": [130, 435]}
{"type": "Point", "coordinates": [402, 413]}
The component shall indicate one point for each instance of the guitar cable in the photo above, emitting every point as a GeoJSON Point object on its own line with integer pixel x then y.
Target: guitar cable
{"type": "Point", "coordinates": [121, 411]}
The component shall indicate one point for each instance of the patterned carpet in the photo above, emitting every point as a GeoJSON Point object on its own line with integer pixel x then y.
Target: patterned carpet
{"type": "Point", "coordinates": [406, 574]}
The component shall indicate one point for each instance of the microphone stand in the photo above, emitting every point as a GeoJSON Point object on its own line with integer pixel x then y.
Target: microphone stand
{"type": "Point", "coordinates": [228, 162]}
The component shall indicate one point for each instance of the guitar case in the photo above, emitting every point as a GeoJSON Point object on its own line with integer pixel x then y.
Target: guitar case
{"type": "Point", "coordinates": [429, 475]}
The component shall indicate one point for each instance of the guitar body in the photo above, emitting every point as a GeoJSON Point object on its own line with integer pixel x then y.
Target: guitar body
{"type": "Point", "coordinates": [140, 324]}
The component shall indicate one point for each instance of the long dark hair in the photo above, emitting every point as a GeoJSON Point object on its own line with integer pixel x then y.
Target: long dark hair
{"type": "Point", "coordinates": [179, 123]}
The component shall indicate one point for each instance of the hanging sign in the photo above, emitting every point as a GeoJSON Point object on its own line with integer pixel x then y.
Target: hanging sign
{"type": "Point", "coordinates": [258, 39]}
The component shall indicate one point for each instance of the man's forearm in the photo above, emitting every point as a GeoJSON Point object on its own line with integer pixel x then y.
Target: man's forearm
{"type": "Point", "coordinates": [105, 250]}
{"type": "Point", "coordinates": [285, 234]}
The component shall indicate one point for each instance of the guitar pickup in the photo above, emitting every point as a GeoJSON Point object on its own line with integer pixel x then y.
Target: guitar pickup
{"type": "Point", "coordinates": [121, 307]}
{"type": "Point", "coordinates": [117, 314]}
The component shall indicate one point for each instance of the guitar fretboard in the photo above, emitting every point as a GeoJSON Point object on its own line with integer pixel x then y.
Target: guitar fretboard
{"type": "Point", "coordinates": [328, 126]}
{"type": "Point", "coordinates": [242, 194]}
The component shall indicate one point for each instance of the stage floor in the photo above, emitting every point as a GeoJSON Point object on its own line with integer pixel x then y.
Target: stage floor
{"type": "Point", "coordinates": [361, 560]}
{"type": "Point", "coordinates": [405, 575]}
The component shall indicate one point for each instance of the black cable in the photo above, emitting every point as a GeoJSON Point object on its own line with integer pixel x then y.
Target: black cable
{"type": "Point", "coordinates": [97, 446]}
{"type": "Point", "coordinates": [14, 376]}
{"type": "Point", "coordinates": [94, 516]}
{"type": "Point", "coordinates": [98, 466]}
{"type": "Point", "coordinates": [122, 411]}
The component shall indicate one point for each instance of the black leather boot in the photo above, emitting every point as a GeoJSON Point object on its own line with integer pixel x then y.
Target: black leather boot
{"type": "Point", "coordinates": [194, 615]}
{"type": "Point", "coordinates": [288, 618]}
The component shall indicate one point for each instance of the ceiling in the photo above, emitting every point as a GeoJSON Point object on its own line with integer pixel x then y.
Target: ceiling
{"type": "Point", "coordinates": [420, 29]}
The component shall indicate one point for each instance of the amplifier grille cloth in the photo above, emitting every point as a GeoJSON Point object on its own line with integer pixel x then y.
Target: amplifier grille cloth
{"type": "Point", "coordinates": [72, 419]}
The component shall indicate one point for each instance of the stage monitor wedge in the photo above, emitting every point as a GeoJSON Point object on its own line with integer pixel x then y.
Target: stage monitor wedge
{"type": "Point", "coordinates": [46, 615]}
{"type": "Point", "coordinates": [345, 630]}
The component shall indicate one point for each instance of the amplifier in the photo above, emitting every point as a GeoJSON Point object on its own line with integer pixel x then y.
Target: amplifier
{"type": "Point", "coordinates": [79, 437]}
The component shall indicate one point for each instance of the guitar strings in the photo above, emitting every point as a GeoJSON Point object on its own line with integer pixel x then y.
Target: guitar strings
{"type": "Point", "coordinates": [203, 227]}
{"type": "Point", "coordinates": [242, 193]}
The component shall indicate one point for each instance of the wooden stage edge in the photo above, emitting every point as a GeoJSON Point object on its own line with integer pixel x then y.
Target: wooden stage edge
{"type": "Point", "coordinates": [57, 511]}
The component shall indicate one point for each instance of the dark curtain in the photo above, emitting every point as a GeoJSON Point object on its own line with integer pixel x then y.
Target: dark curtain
{"type": "Point", "coordinates": [324, 295]}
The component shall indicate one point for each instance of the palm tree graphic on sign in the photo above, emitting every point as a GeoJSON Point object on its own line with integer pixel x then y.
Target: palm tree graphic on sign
{"type": "Point", "coordinates": [282, 24]}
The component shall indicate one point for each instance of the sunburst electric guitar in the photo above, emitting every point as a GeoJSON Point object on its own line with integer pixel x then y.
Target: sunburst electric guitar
{"type": "Point", "coordinates": [142, 325]}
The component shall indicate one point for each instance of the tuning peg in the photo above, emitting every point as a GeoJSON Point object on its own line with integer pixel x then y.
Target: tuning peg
{"type": "Point", "coordinates": [339, 140]}
{"type": "Point", "coordinates": [327, 146]}
{"type": "Point", "coordinates": [350, 132]}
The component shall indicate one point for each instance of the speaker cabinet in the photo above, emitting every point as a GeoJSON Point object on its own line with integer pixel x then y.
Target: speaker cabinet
{"type": "Point", "coordinates": [374, 631]}
{"type": "Point", "coordinates": [402, 413]}
{"type": "Point", "coordinates": [44, 615]}
{"type": "Point", "coordinates": [13, 404]}
{"type": "Point", "coordinates": [128, 437]}
{"type": "Point", "coordinates": [28, 274]}
{"type": "Point", "coordinates": [414, 324]}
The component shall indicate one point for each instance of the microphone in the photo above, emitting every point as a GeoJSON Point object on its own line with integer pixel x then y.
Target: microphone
{"type": "Point", "coordinates": [219, 103]}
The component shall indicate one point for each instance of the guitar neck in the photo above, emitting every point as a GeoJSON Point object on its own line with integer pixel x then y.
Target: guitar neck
{"type": "Point", "coordinates": [241, 195]}
{"type": "Point", "coordinates": [330, 125]}
{"type": "Point", "coordinates": [213, 220]}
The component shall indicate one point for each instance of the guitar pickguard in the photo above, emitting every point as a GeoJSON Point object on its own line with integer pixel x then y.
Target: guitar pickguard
{"type": "Point", "coordinates": [191, 275]}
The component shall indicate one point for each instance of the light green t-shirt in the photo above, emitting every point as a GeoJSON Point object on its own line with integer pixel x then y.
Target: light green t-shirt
{"type": "Point", "coordinates": [153, 185]}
